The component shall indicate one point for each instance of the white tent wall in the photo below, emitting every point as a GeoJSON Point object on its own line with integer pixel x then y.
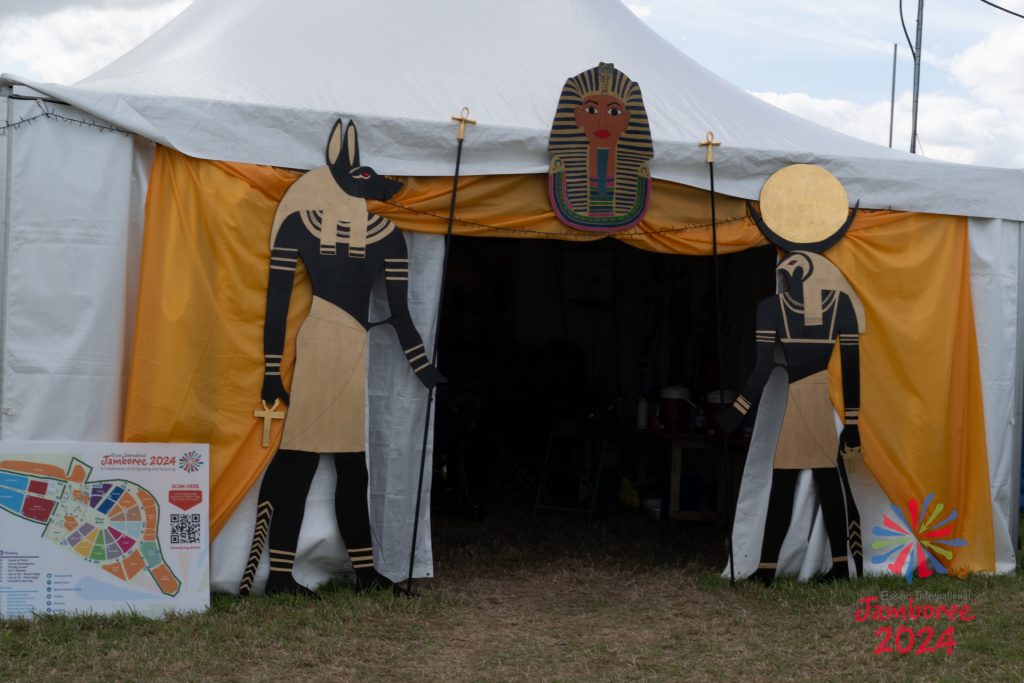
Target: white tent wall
{"type": "Point", "coordinates": [996, 253]}
{"type": "Point", "coordinates": [72, 237]}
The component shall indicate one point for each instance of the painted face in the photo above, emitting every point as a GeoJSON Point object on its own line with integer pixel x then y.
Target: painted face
{"type": "Point", "coordinates": [603, 119]}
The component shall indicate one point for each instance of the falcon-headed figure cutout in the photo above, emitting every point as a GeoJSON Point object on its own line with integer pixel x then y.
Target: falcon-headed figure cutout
{"type": "Point", "coordinates": [323, 220]}
{"type": "Point", "coordinates": [818, 314]}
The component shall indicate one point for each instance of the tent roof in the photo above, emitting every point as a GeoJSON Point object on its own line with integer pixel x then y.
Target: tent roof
{"type": "Point", "coordinates": [261, 81]}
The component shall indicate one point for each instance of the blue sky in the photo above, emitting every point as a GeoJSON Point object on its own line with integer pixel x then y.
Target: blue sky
{"type": "Point", "coordinates": [833, 48]}
{"type": "Point", "coordinates": [827, 60]}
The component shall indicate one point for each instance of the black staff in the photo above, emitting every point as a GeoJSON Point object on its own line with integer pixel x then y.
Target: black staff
{"type": "Point", "coordinates": [709, 143]}
{"type": "Point", "coordinates": [463, 120]}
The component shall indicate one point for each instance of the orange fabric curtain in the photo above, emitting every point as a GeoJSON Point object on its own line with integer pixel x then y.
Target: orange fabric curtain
{"type": "Point", "coordinates": [517, 206]}
{"type": "Point", "coordinates": [922, 422]}
{"type": "Point", "coordinates": [198, 362]}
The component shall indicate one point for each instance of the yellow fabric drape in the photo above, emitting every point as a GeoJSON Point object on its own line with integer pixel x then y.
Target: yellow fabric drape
{"type": "Point", "coordinates": [517, 206]}
{"type": "Point", "coordinates": [922, 423]}
{"type": "Point", "coordinates": [197, 364]}
{"type": "Point", "coordinates": [197, 367]}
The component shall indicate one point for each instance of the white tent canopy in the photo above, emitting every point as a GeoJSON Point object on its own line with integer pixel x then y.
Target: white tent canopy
{"type": "Point", "coordinates": [260, 81]}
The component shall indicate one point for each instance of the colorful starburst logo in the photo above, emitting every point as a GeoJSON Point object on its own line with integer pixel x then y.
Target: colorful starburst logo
{"type": "Point", "coordinates": [915, 546]}
{"type": "Point", "coordinates": [190, 462]}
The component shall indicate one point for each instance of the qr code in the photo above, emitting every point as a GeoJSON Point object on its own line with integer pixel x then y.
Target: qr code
{"type": "Point", "coordinates": [185, 529]}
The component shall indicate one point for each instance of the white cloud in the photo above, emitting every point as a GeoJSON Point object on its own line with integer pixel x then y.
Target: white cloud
{"type": "Point", "coordinates": [39, 7]}
{"type": "Point", "coordinates": [70, 44]}
{"type": "Point", "coordinates": [991, 69]}
{"type": "Point", "coordinates": [642, 11]}
{"type": "Point", "coordinates": [949, 128]}
{"type": "Point", "coordinates": [985, 125]}
{"type": "Point", "coordinates": [867, 122]}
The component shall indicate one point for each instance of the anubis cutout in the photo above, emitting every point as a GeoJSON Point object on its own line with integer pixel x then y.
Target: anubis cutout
{"type": "Point", "coordinates": [798, 330]}
{"type": "Point", "coordinates": [323, 220]}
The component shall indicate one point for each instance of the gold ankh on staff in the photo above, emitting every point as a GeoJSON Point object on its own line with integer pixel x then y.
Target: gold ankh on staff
{"type": "Point", "coordinates": [710, 143]}
{"type": "Point", "coordinates": [268, 415]}
{"type": "Point", "coordinates": [463, 119]}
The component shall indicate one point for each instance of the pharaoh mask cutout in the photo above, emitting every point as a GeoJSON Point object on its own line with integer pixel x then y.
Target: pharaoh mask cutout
{"type": "Point", "coordinates": [323, 220]}
{"type": "Point", "coordinates": [600, 145]}
{"type": "Point", "coordinates": [819, 314]}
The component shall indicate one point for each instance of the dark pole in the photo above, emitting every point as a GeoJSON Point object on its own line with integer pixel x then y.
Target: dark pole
{"type": "Point", "coordinates": [917, 76]}
{"type": "Point", "coordinates": [710, 144]}
{"type": "Point", "coordinates": [463, 120]}
{"type": "Point", "coordinates": [892, 94]}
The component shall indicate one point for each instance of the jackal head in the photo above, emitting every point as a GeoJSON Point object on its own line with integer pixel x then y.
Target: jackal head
{"type": "Point", "coordinates": [351, 176]}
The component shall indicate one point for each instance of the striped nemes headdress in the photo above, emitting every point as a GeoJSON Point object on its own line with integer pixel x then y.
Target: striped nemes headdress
{"type": "Point", "coordinates": [568, 177]}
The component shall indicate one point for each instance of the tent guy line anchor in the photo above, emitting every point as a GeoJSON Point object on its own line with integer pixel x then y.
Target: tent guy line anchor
{"type": "Point", "coordinates": [709, 143]}
{"type": "Point", "coordinates": [463, 120]}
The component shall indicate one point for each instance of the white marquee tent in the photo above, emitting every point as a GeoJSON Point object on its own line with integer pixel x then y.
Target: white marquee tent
{"type": "Point", "coordinates": [259, 81]}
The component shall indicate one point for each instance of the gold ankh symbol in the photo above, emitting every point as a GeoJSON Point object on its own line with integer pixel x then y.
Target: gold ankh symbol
{"type": "Point", "coordinates": [710, 143]}
{"type": "Point", "coordinates": [268, 415]}
{"type": "Point", "coordinates": [463, 119]}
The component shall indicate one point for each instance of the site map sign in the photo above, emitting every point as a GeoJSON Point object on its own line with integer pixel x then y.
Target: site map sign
{"type": "Point", "coordinates": [103, 527]}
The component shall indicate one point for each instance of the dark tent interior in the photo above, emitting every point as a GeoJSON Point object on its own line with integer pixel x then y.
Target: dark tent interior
{"type": "Point", "coordinates": [557, 355]}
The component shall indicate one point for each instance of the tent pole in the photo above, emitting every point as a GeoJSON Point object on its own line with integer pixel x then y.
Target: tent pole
{"type": "Point", "coordinates": [709, 144]}
{"type": "Point", "coordinates": [1018, 398]}
{"type": "Point", "coordinates": [463, 119]}
{"type": "Point", "coordinates": [892, 94]}
{"type": "Point", "coordinates": [917, 77]}
{"type": "Point", "coordinates": [5, 230]}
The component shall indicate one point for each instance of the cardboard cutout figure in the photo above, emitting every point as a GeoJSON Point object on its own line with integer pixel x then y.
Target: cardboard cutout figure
{"type": "Point", "coordinates": [798, 330]}
{"type": "Point", "coordinates": [323, 220]}
{"type": "Point", "coordinates": [600, 145]}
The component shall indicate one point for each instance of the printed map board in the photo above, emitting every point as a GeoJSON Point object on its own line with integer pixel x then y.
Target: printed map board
{"type": "Point", "coordinates": [103, 527]}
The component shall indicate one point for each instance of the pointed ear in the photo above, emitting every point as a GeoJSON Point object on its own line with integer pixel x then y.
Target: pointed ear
{"type": "Point", "coordinates": [334, 144]}
{"type": "Point", "coordinates": [350, 150]}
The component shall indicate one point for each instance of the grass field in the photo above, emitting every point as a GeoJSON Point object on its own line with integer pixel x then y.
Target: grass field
{"type": "Point", "coordinates": [623, 600]}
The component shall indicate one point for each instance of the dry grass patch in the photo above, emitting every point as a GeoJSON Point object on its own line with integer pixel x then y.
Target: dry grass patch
{"type": "Point", "coordinates": [623, 600]}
